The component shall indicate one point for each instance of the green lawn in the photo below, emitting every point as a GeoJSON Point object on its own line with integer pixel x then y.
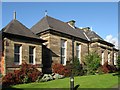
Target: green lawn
{"type": "Point", "coordinates": [92, 81]}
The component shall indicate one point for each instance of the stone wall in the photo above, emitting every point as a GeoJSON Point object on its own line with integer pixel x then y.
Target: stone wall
{"type": "Point", "coordinates": [9, 52]}
{"type": "Point", "coordinates": [54, 44]}
{"type": "Point", "coordinates": [99, 48]}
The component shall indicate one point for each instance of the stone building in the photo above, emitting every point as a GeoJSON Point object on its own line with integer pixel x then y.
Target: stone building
{"type": "Point", "coordinates": [61, 35]}
{"type": "Point", "coordinates": [19, 45]}
{"type": "Point", "coordinates": [48, 42]}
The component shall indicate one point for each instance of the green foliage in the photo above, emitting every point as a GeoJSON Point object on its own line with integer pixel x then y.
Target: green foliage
{"type": "Point", "coordinates": [92, 61]}
{"type": "Point", "coordinates": [1, 75]}
{"type": "Point", "coordinates": [118, 64]}
{"type": "Point", "coordinates": [77, 68]}
{"type": "Point", "coordinates": [26, 74]}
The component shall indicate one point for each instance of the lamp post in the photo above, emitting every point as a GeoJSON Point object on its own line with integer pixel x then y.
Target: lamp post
{"type": "Point", "coordinates": [72, 76]}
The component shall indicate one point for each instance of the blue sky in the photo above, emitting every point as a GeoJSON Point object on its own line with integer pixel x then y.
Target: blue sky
{"type": "Point", "coordinates": [101, 16]}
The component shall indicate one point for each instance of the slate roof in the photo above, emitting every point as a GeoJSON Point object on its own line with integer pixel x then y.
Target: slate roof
{"type": "Point", "coordinates": [17, 28]}
{"type": "Point", "coordinates": [51, 23]}
{"type": "Point", "coordinates": [91, 35]}
{"type": "Point", "coordinates": [48, 22]}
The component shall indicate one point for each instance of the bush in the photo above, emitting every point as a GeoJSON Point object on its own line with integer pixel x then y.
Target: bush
{"type": "Point", "coordinates": [27, 73]}
{"type": "Point", "coordinates": [9, 79]}
{"type": "Point", "coordinates": [118, 64]}
{"type": "Point", "coordinates": [77, 68]}
{"type": "Point", "coordinates": [60, 69]}
{"type": "Point", "coordinates": [1, 75]}
{"type": "Point", "coordinates": [92, 62]}
{"type": "Point", "coordinates": [108, 68]}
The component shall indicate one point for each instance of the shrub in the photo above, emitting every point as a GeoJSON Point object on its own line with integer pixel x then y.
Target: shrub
{"type": "Point", "coordinates": [60, 69]}
{"type": "Point", "coordinates": [77, 68]}
{"type": "Point", "coordinates": [108, 68]}
{"type": "Point", "coordinates": [92, 61]}
{"type": "Point", "coordinates": [118, 64]}
{"type": "Point", "coordinates": [27, 73]}
{"type": "Point", "coordinates": [8, 79]}
{"type": "Point", "coordinates": [74, 68]}
{"type": "Point", "coordinates": [1, 75]}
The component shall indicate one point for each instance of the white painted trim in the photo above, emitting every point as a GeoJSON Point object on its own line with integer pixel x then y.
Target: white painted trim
{"type": "Point", "coordinates": [109, 58]}
{"type": "Point", "coordinates": [86, 36]}
{"type": "Point", "coordinates": [71, 26]}
{"type": "Point", "coordinates": [65, 52]}
{"type": "Point", "coordinates": [65, 42]}
{"type": "Point", "coordinates": [34, 55]}
{"type": "Point", "coordinates": [20, 62]}
{"type": "Point", "coordinates": [79, 45]}
{"type": "Point", "coordinates": [115, 59]}
{"type": "Point", "coordinates": [102, 58]}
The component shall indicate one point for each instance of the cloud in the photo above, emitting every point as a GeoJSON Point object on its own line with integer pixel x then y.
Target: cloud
{"type": "Point", "coordinates": [113, 40]}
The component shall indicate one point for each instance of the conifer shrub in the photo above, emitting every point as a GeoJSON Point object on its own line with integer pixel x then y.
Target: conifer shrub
{"type": "Point", "coordinates": [92, 62]}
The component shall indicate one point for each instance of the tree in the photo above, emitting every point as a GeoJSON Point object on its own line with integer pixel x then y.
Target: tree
{"type": "Point", "coordinates": [92, 62]}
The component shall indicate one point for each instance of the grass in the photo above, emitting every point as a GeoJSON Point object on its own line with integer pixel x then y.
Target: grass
{"type": "Point", "coordinates": [92, 81]}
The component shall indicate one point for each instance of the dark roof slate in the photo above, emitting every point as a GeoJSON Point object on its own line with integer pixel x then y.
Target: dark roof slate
{"type": "Point", "coordinates": [51, 23]}
{"type": "Point", "coordinates": [91, 35]}
{"type": "Point", "coordinates": [17, 28]}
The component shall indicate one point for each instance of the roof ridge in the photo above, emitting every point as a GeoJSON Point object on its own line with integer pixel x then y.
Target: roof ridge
{"type": "Point", "coordinates": [46, 17]}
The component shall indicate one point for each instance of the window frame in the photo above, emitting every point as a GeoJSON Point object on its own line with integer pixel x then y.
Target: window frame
{"type": "Point", "coordinates": [32, 54]}
{"type": "Point", "coordinates": [63, 47]}
{"type": "Point", "coordinates": [103, 58]}
{"type": "Point", "coordinates": [19, 54]}
{"type": "Point", "coordinates": [79, 51]}
{"type": "Point", "coordinates": [115, 58]}
{"type": "Point", "coordinates": [109, 59]}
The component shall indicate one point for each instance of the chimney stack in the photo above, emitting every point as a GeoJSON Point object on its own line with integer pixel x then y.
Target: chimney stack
{"type": "Point", "coordinates": [14, 15]}
{"type": "Point", "coordinates": [86, 29]}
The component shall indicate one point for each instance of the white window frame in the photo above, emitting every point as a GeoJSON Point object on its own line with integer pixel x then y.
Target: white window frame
{"type": "Point", "coordinates": [65, 51]}
{"type": "Point", "coordinates": [79, 51]}
{"type": "Point", "coordinates": [115, 58]}
{"type": "Point", "coordinates": [109, 58]}
{"type": "Point", "coordinates": [34, 50]}
{"type": "Point", "coordinates": [103, 58]}
{"type": "Point", "coordinates": [20, 54]}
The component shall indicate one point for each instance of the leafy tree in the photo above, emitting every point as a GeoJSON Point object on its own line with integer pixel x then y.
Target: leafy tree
{"type": "Point", "coordinates": [92, 62]}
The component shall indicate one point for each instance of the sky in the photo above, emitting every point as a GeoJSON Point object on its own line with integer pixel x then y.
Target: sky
{"type": "Point", "coordinates": [102, 17]}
